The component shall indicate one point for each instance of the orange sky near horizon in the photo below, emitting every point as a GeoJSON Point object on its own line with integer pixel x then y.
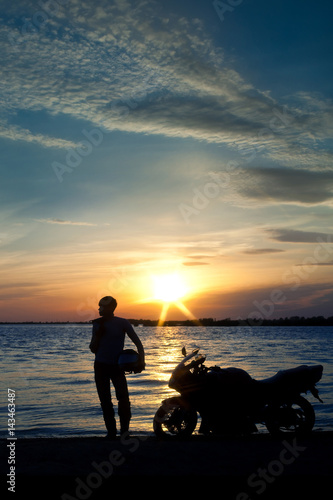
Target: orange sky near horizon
{"type": "Point", "coordinates": [221, 285]}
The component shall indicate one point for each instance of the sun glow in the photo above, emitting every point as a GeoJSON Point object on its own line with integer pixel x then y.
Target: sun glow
{"type": "Point", "coordinates": [169, 288]}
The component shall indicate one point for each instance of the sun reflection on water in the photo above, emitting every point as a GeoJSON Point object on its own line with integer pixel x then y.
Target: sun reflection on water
{"type": "Point", "coordinates": [51, 368]}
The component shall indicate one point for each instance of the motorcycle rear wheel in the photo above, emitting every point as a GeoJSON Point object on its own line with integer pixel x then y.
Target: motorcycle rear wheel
{"type": "Point", "coordinates": [174, 421]}
{"type": "Point", "coordinates": [295, 416]}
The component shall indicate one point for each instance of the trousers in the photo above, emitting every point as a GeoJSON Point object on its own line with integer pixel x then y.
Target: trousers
{"type": "Point", "coordinates": [104, 373]}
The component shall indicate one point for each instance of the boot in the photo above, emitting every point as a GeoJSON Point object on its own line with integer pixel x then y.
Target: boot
{"type": "Point", "coordinates": [110, 421]}
{"type": "Point", "coordinates": [124, 412]}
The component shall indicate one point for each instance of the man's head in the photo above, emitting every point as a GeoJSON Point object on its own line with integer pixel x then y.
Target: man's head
{"type": "Point", "coordinates": [107, 306]}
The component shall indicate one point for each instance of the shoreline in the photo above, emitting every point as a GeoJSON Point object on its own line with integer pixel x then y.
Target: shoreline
{"type": "Point", "coordinates": [86, 467]}
{"type": "Point", "coordinates": [200, 322]}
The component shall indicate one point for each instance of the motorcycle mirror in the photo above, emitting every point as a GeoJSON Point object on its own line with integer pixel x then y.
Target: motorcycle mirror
{"type": "Point", "coordinates": [184, 351]}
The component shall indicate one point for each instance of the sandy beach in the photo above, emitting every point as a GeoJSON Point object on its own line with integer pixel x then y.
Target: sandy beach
{"type": "Point", "coordinates": [244, 467]}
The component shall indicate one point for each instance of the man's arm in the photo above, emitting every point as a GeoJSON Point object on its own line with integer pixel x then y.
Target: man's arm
{"type": "Point", "coordinates": [95, 338]}
{"type": "Point", "coordinates": [137, 342]}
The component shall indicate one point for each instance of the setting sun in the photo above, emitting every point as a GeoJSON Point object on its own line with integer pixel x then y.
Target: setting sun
{"type": "Point", "coordinates": [169, 287]}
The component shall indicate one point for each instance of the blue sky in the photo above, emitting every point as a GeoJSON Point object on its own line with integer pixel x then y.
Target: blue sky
{"type": "Point", "coordinates": [149, 137]}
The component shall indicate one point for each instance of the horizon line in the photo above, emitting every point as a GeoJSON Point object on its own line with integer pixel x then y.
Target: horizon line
{"type": "Point", "coordinates": [300, 320]}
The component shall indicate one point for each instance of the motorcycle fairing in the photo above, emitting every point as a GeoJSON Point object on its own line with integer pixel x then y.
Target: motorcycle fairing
{"type": "Point", "coordinates": [173, 402]}
{"type": "Point", "coordinates": [182, 370]}
{"type": "Point", "coordinates": [187, 358]}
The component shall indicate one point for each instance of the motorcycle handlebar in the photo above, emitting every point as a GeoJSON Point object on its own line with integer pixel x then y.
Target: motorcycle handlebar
{"type": "Point", "coordinates": [196, 362]}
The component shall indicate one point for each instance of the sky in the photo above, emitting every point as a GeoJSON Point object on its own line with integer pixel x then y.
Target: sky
{"type": "Point", "coordinates": [190, 139]}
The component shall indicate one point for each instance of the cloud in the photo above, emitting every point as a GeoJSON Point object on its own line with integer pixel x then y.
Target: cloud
{"type": "Point", "coordinates": [16, 133]}
{"type": "Point", "coordinates": [285, 185]}
{"type": "Point", "coordinates": [65, 222]}
{"type": "Point", "coordinates": [261, 251]}
{"type": "Point", "coordinates": [195, 263]}
{"type": "Point", "coordinates": [330, 263]}
{"type": "Point", "coordinates": [296, 236]}
{"type": "Point", "coordinates": [133, 67]}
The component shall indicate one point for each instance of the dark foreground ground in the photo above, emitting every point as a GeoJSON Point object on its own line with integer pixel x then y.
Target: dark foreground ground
{"type": "Point", "coordinates": [254, 467]}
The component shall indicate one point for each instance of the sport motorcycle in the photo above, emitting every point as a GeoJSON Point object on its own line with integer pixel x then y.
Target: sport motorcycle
{"type": "Point", "coordinates": [230, 401]}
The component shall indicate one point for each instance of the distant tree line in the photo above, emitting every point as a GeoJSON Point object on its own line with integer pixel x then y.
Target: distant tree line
{"type": "Point", "coordinates": [292, 321]}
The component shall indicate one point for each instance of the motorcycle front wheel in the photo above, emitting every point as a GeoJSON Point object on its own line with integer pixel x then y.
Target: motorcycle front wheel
{"type": "Point", "coordinates": [174, 420]}
{"type": "Point", "coordinates": [295, 416]}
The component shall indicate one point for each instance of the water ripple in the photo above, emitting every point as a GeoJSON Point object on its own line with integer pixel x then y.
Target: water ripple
{"type": "Point", "coordinates": [51, 369]}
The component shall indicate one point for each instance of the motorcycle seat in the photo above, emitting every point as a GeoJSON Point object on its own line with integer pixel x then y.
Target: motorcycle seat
{"type": "Point", "coordinates": [303, 374]}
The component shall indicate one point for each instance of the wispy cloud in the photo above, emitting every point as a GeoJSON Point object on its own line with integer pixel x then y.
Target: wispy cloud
{"type": "Point", "coordinates": [262, 251]}
{"type": "Point", "coordinates": [195, 263]}
{"type": "Point", "coordinates": [16, 133]}
{"type": "Point", "coordinates": [330, 263]}
{"type": "Point", "coordinates": [65, 222]}
{"type": "Point", "coordinates": [120, 66]}
{"type": "Point", "coordinates": [296, 236]}
{"type": "Point", "coordinates": [277, 185]}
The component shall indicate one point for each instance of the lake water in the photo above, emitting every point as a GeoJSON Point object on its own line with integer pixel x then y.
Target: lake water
{"type": "Point", "coordinates": [50, 367]}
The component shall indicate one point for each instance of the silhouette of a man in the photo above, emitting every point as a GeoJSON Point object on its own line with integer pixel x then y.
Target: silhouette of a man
{"type": "Point", "coordinates": [107, 343]}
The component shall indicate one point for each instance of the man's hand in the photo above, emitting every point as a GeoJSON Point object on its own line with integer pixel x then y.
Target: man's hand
{"type": "Point", "coordinates": [141, 366]}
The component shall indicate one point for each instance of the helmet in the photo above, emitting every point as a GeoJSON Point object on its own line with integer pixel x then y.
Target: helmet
{"type": "Point", "coordinates": [128, 360]}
